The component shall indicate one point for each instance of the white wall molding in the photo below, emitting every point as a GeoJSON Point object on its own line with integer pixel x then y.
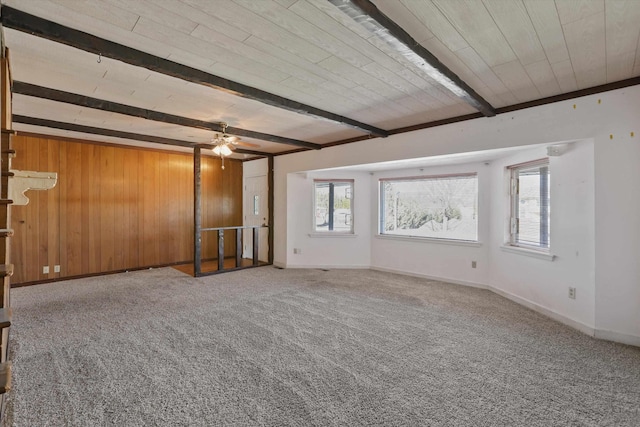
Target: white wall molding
{"type": "Point", "coordinates": [586, 329]}
{"type": "Point", "coordinates": [574, 324]}
{"type": "Point", "coordinates": [329, 267]}
{"type": "Point", "coordinates": [617, 337]}
{"type": "Point", "coordinates": [426, 276]}
{"type": "Point", "coordinates": [528, 252]}
{"type": "Point", "coordinates": [332, 235]}
{"type": "Point", "coordinates": [420, 239]}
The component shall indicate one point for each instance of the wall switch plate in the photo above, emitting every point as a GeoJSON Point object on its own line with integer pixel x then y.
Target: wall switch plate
{"type": "Point", "coordinates": [56, 269]}
{"type": "Point", "coordinates": [474, 264]}
{"type": "Point", "coordinates": [572, 293]}
{"type": "Point", "coordinates": [45, 269]}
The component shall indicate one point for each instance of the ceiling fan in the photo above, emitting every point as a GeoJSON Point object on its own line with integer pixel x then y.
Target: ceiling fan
{"type": "Point", "coordinates": [224, 144]}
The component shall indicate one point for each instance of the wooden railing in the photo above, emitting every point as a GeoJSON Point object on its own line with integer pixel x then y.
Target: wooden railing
{"type": "Point", "coordinates": [255, 262]}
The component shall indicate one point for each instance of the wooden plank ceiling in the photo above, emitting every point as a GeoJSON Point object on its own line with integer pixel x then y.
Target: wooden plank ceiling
{"type": "Point", "coordinates": [327, 77]}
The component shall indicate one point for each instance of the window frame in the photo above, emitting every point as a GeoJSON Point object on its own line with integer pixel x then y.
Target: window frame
{"type": "Point", "coordinates": [514, 207]}
{"type": "Point", "coordinates": [381, 220]}
{"type": "Point", "coordinates": [331, 212]}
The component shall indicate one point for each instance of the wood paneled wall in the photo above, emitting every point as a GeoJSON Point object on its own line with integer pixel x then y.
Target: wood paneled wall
{"type": "Point", "coordinates": [116, 208]}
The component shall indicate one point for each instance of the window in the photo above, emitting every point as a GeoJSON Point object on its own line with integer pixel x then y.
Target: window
{"type": "Point", "coordinates": [333, 206]}
{"type": "Point", "coordinates": [529, 225]}
{"type": "Point", "coordinates": [443, 207]}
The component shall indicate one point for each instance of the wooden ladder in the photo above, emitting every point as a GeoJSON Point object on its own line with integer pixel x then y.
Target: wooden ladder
{"type": "Point", "coordinates": [6, 269]}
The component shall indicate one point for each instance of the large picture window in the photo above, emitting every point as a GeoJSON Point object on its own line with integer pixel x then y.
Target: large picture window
{"type": "Point", "coordinates": [530, 207]}
{"type": "Point", "coordinates": [333, 206]}
{"type": "Point", "coordinates": [442, 207]}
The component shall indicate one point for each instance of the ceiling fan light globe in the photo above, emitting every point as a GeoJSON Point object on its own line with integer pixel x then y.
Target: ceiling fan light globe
{"type": "Point", "coordinates": [216, 150]}
{"type": "Point", "coordinates": [225, 150]}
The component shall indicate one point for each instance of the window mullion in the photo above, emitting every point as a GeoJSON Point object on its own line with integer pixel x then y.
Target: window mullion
{"type": "Point", "coordinates": [513, 223]}
{"type": "Point", "coordinates": [544, 207]}
{"type": "Point", "coordinates": [331, 207]}
{"type": "Point", "coordinates": [514, 228]}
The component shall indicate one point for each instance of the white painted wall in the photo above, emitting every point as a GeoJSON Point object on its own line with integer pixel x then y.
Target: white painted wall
{"type": "Point", "coordinates": [535, 282]}
{"type": "Point", "coordinates": [332, 251]}
{"type": "Point", "coordinates": [616, 197]}
{"type": "Point", "coordinates": [430, 258]}
{"type": "Point", "coordinates": [617, 214]}
{"type": "Point", "coordinates": [254, 168]}
{"type": "Point", "coordinates": [541, 282]}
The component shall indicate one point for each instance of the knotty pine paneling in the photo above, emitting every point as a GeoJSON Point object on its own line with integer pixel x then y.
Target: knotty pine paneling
{"type": "Point", "coordinates": [116, 208]}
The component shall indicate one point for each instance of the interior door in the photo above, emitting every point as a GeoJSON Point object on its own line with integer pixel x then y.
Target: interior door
{"type": "Point", "coordinates": [256, 212]}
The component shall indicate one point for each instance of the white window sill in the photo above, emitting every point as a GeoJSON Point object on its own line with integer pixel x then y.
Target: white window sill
{"type": "Point", "coordinates": [528, 252]}
{"type": "Point", "coordinates": [332, 234]}
{"type": "Point", "coordinates": [430, 240]}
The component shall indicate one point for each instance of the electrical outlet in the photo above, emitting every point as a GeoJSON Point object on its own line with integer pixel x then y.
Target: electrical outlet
{"type": "Point", "coordinates": [572, 293]}
{"type": "Point", "coordinates": [297, 250]}
{"type": "Point", "coordinates": [56, 269]}
{"type": "Point", "coordinates": [45, 269]}
{"type": "Point", "coordinates": [474, 264]}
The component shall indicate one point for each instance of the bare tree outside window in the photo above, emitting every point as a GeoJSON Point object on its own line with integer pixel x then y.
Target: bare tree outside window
{"type": "Point", "coordinates": [438, 207]}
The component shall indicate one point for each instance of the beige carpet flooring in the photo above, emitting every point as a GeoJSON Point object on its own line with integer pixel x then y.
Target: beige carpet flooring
{"type": "Point", "coordinates": [270, 347]}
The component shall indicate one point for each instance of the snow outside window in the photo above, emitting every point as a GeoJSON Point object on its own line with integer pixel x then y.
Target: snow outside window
{"type": "Point", "coordinates": [440, 207]}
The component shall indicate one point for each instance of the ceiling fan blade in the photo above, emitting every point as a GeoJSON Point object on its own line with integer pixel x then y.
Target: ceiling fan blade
{"type": "Point", "coordinates": [231, 139]}
{"type": "Point", "coordinates": [245, 144]}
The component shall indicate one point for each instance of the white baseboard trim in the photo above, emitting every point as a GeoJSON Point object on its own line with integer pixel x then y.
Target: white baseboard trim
{"type": "Point", "coordinates": [586, 329]}
{"type": "Point", "coordinates": [329, 267]}
{"type": "Point", "coordinates": [575, 324]}
{"type": "Point", "coordinates": [426, 276]}
{"type": "Point", "coordinates": [518, 300]}
{"type": "Point", "coordinates": [618, 337]}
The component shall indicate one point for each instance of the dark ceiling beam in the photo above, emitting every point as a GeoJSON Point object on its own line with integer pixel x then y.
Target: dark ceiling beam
{"type": "Point", "coordinates": [380, 25]}
{"type": "Point", "coordinates": [633, 81]}
{"type": "Point", "coordinates": [74, 127]}
{"type": "Point", "coordinates": [1, 40]}
{"type": "Point", "coordinates": [252, 152]}
{"type": "Point", "coordinates": [21, 21]}
{"type": "Point", "coordinates": [29, 89]}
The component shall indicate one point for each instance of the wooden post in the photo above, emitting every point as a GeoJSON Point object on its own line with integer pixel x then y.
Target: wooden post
{"type": "Point", "coordinates": [197, 213]}
{"type": "Point", "coordinates": [256, 244]}
{"type": "Point", "coordinates": [239, 247]}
